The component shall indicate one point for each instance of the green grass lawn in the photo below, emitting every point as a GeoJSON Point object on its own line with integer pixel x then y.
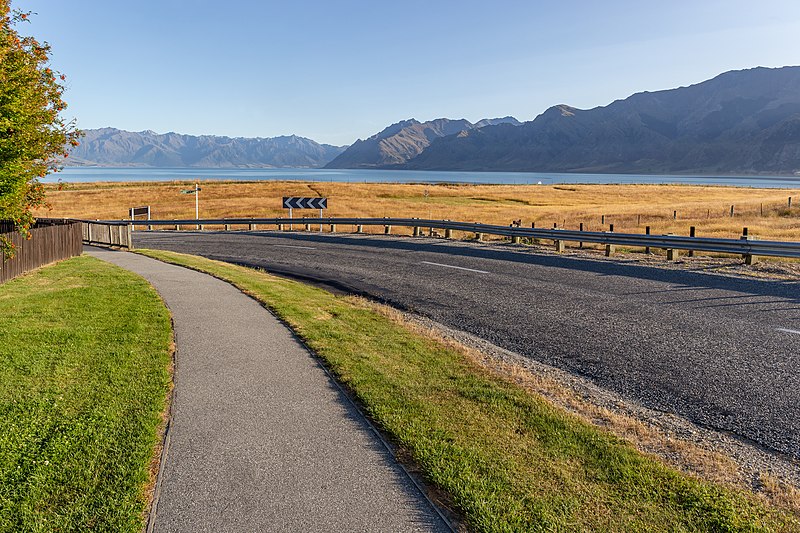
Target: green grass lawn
{"type": "Point", "coordinates": [84, 376]}
{"type": "Point", "coordinates": [509, 460]}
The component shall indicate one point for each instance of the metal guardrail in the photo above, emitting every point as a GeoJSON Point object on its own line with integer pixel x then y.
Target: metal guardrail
{"type": "Point", "coordinates": [746, 246]}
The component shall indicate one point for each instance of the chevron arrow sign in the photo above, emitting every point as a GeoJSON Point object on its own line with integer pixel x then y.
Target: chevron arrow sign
{"type": "Point", "coordinates": [297, 202]}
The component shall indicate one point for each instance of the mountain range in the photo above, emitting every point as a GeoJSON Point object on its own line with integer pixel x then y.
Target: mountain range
{"type": "Point", "coordinates": [740, 122]}
{"type": "Point", "coordinates": [113, 147]}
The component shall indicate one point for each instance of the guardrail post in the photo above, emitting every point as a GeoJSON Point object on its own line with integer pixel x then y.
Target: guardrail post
{"type": "Point", "coordinates": [416, 231]}
{"type": "Point", "coordinates": [672, 253]}
{"type": "Point", "coordinates": [387, 230]}
{"type": "Point", "coordinates": [149, 227]}
{"type": "Point", "coordinates": [478, 236]}
{"type": "Point", "coordinates": [448, 233]}
{"type": "Point", "coordinates": [360, 228]}
{"type": "Point", "coordinates": [201, 227]}
{"type": "Point", "coordinates": [177, 227]}
{"type": "Point", "coordinates": [333, 228]}
{"type": "Point", "coordinates": [515, 239]}
{"type": "Point", "coordinates": [691, 234]}
{"type": "Point", "coordinates": [308, 227]}
{"type": "Point", "coordinates": [227, 227]}
{"type": "Point", "coordinates": [252, 227]}
{"type": "Point", "coordinates": [580, 244]}
{"type": "Point", "coordinates": [749, 259]}
{"type": "Point", "coordinates": [129, 238]}
{"type": "Point", "coordinates": [647, 232]}
{"type": "Point", "coordinates": [559, 246]}
{"type": "Point", "coordinates": [280, 227]}
{"type": "Point", "coordinates": [610, 249]}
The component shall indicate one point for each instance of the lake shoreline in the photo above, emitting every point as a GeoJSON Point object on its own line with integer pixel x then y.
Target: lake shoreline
{"type": "Point", "coordinates": [154, 174]}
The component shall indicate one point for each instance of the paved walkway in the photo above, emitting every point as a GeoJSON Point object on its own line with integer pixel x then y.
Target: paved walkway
{"type": "Point", "coordinates": [261, 439]}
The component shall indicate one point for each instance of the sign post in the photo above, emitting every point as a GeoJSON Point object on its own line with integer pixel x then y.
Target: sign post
{"type": "Point", "coordinates": [138, 211]}
{"type": "Point", "coordinates": [196, 192]}
{"type": "Point", "coordinates": [290, 202]}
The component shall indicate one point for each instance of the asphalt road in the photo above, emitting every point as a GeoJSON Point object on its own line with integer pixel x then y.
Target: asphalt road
{"type": "Point", "coordinates": [721, 351]}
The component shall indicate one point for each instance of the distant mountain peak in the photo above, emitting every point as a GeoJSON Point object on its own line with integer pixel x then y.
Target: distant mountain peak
{"type": "Point", "coordinates": [404, 140]}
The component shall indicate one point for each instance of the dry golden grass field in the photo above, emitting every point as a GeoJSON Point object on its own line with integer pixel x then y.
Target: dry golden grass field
{"type": "Point", "coordinates": [628, 207]}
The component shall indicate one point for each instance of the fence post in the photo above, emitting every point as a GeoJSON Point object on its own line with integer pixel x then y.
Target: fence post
{"type": "Point", "coordinates": [731, 211]}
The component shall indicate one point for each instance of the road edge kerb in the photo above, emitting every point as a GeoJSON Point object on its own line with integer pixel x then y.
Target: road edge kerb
{"type": "Point", "coordinates": [447, 520]}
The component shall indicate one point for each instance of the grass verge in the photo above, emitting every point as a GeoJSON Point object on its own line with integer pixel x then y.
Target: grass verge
{"type": "Point", "coordinates": [85, 355]}
{"type": "Point", "coordinates": [509, 460]}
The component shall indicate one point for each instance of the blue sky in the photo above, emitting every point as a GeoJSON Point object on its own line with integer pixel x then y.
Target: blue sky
{"type": "Point", "coordinates": [336, 71]}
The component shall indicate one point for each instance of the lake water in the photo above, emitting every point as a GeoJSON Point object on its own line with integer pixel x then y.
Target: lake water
{"type": "Point", "coordinates": [89, 174]}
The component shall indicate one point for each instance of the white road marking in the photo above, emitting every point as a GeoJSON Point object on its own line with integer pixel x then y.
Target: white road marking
{"type": "Point", "coordinates": [456, 267]}
{"type": "Point", "coordinates": [294, 246]}
{"type": "Point", "coordinates": [788, 330]}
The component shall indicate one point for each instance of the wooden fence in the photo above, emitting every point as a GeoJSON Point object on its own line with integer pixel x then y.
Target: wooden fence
{"type": "Point", "coordinates": [51, 240]}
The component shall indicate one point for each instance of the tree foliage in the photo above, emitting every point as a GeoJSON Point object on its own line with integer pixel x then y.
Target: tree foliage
{"type": "Point", "coordinates": [33, 134]}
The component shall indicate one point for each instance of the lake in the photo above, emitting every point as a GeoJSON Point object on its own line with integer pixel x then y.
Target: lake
{"type": "Point", "coordinates": [90, 174]}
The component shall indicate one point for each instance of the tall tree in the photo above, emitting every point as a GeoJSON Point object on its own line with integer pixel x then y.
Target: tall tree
{"type": "Point", "coordinates": [33, 134]}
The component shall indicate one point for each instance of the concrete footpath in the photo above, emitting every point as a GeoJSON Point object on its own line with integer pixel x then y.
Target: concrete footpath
{"type": "Point", "coordinates": [261, 439]}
